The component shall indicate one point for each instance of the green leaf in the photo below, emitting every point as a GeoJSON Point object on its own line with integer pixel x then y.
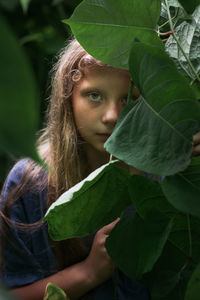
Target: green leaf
{"type": "Point", "coordinates": [179, 236]}
{"type": "Point", "coordinates": [147, 194]}
{"type": "Point", "coordinates": [193, 287]}
{"type": "Point", "coordinates": [196, 88]}
{"type": "Point", "coordinates": [107, 28]}
{"type": "Point", "coordinates": [189, 6]}
{"type": "Point", "coordinates": [183, 189]}
{"type": "Point", "coordinates": [19, 98]}
{"type": "Point", "coordinates": [54, 292]}
{"type": "Point", "coordinates": [135, 243]}
{"type": "Point", "coordinates": [169, 276]}
{"type": "Point", "coordinates": [25, 4]}
{"type": "Point", "coordinates": [188, 34]}
{"type": "Point", "coordinates": [90, 204]}
{"type": "Point", "coordinates": [155, 134]}
{"type": "Point", "coordinates": [165, 282]}
{"type": "Point", "coordinates": [166, 279]}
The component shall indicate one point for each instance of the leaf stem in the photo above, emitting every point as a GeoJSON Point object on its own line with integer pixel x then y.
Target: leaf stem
{"type": "Point", "coordinates": [111, 157]}
{"type": "Point", "coordinates": [178, 43]}
{"type": "Point", "coordinates": [167, 22]}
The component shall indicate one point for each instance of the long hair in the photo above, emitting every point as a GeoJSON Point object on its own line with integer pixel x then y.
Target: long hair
{"type": "Point", "coordinates": [59, 146]}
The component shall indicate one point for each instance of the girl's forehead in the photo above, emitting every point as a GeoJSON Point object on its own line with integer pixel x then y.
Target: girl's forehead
{"type": "Point", "coordinates": [103, 70]}
{"type": "Point", "coordinates": [105, 78]}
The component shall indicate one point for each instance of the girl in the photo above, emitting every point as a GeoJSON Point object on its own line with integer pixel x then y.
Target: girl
{"type": "Point", "coordinates": [87, 98]}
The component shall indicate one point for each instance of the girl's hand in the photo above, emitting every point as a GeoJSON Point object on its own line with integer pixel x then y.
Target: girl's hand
{"type": "Point", "coordinates": [196, 143]}
{"type": "Point", "coordinates": [98, 263]}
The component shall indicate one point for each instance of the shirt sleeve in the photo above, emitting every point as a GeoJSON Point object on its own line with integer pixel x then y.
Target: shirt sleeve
{"type": "Point", "coordinates": [27, 256]}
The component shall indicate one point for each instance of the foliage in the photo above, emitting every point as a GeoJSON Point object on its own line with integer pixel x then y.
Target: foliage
{"type": "Point", "coordinates": [157, 242]}
{"type": "Point", "coordinates": [113, 20]}
{"type": "Point", "coordinates": [19, 105]}
{"type": "Point", "coordinates": [160, 238]}
{"type": "Point", "coordinates": [188, 33]}
{"type": "Point", "coordinates": [182, 189]}
{"type": "Point", "coordinates": [31, 34]}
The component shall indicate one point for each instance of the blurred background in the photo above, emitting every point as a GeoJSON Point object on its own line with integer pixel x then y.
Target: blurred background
{"type": "Point", "coordinates": [38, 31]}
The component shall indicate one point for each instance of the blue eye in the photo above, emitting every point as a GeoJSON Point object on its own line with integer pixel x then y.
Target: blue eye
{"type": "Point", "coordinates": [94, 96]}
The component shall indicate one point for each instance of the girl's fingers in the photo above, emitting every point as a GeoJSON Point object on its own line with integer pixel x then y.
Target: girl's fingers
{"type": "Point", "coordinates": [196, 139]}
{"type": "Point", "coordinates": [196, 143]}
{"type": "Point", "coordinates": [196, 150]}
{"type": "Point", "coordinates": [107, 229]}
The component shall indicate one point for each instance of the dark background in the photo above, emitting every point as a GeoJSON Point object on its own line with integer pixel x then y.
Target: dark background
{"type": "Point", "coordinates": [42, 34]}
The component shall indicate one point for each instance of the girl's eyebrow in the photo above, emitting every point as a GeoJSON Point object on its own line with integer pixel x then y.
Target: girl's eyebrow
{"type": "Point", "coordinates": [90, 89]}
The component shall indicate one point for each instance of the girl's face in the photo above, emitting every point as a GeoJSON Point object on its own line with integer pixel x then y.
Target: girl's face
{"type": "Point", "coordinates": [97, 99]}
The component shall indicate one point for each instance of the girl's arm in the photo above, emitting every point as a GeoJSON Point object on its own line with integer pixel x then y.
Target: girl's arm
{"type": "Point", "coordinates": [79, 278]}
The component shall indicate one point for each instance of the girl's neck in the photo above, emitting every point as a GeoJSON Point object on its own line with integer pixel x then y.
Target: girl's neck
{"type": "Point", "coordinates": [93, 159]}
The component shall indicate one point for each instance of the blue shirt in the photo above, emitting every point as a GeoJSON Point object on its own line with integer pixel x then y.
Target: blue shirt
{"type": "Point", "coordinates": [28, 256]}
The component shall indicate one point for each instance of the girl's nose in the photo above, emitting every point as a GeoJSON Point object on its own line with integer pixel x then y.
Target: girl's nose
{"type": "Point", "coordinates": [111, 113]}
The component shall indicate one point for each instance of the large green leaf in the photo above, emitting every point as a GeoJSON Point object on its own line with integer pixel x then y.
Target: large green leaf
{"type": "Point", "coordinates": [193, 287]}
{"type": "Point", "coordinates": [166, 279]}
{"type": "Point", "coordinates": [169, 276]}
{"type": "Point", "coordinates": [183, 189]}
{"type": "Point", "coordinates": [90, 204]}
{"type": "Point", "coordinates": [135, 243]}
{"type": "Point", "coordinates": [107, 28]}
{"type": "Point", "coordinates": [138, 239]}
{"type": "Point", "coordinates": [188, 34]}
{"type": "Point", "coordinates": [19, 98]}
{"type": "Point", "coordinates": [184, 227]}
{"type": "Point", "coordinates": [170, 273]}
{"type": "Point", "coordinates": [155, 134]}
{"type": "Point", "coordinates": [147, 194]}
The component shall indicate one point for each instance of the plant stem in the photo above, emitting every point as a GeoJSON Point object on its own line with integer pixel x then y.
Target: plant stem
{"type": "Point", "coordinates": [111, 157]}
{"type": "Point", "coordinates": [130, 92]}
{"type": "Point", "coordinates": [189, 235]}
{"type": "Point", "coordinates": [178, 43]}
{"type": "Point", "coordinates": [162, 25]}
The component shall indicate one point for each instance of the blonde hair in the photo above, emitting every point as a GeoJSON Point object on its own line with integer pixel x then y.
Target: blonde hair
{"type": "Point", "coordinates": [60, 145]}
